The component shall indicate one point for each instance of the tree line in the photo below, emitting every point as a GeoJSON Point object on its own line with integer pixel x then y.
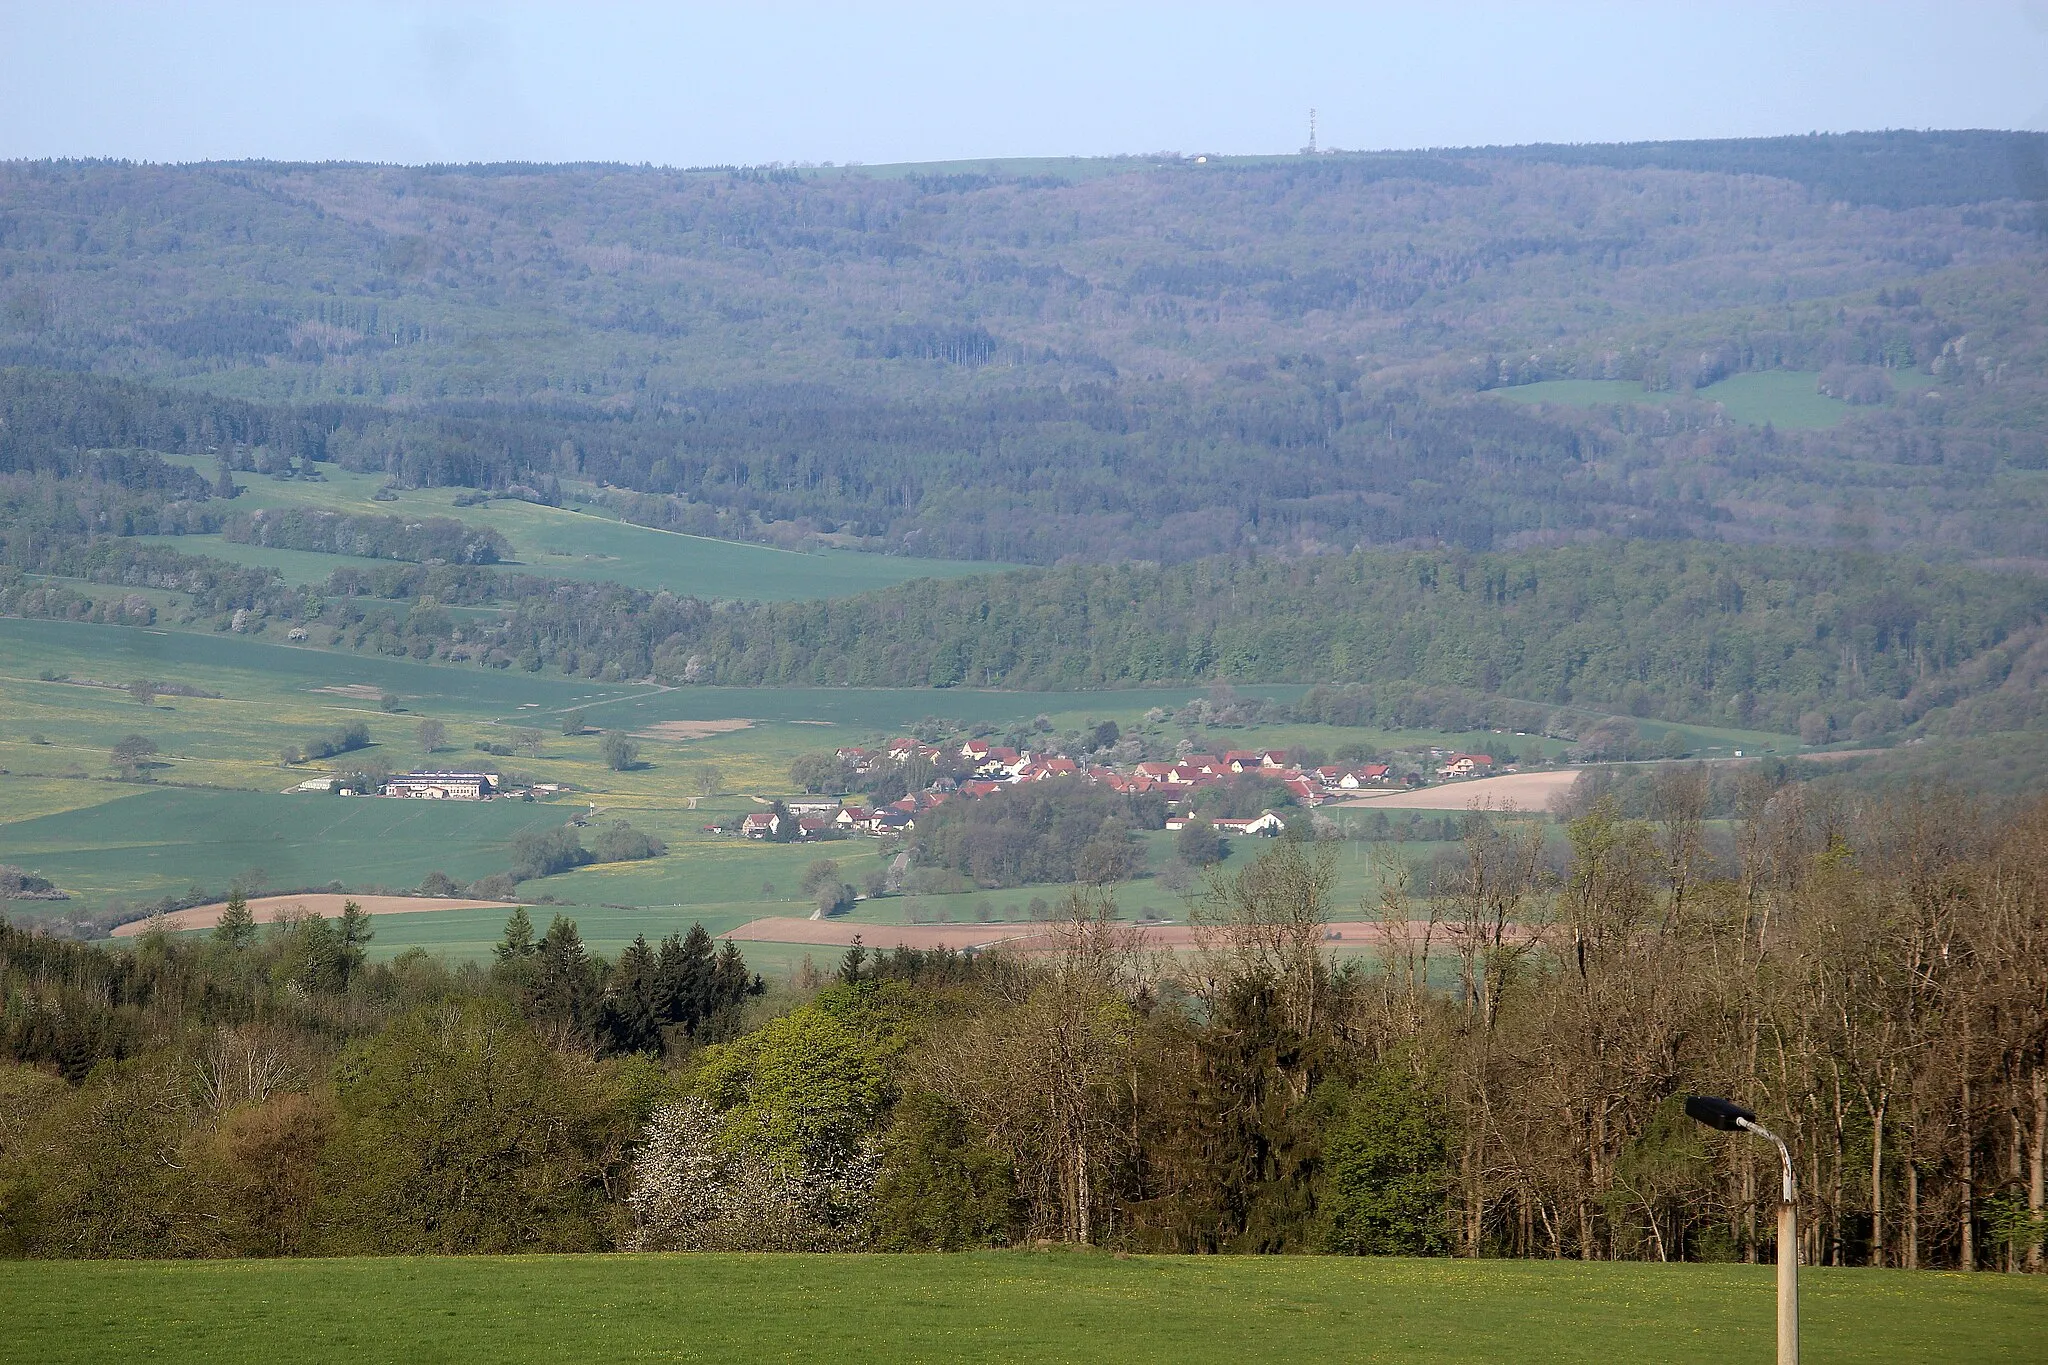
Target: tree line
{"type": "Point", "coordinates": [274, 1092]}
{"type": "Point", "coordinates": [1777, 639]}
{"type": "Point", "coordinates": [1500, 1073]}
{"type": "Point", "coordinates": [1825, 644]}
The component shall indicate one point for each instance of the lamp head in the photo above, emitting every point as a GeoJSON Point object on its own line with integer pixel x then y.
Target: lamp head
{"type": "Point", "coordinates": [1715, 1113]}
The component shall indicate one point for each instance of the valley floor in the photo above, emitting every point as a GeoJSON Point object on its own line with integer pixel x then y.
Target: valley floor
{"type": "Point", "coordinates": [992, 1306]}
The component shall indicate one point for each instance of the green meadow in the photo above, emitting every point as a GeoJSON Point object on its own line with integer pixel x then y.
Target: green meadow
{"type": "Point", "coordinates": [215, 809]}
{"type": "Point", "coordinates": [993, 1306]}
{"type": "Point", "coordinates": [572, 543]}
{"type": "Point", "coordinates": [151, 842]}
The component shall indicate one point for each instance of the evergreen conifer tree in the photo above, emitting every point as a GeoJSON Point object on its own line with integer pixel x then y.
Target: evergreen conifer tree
{"type": "Point", "coordinates": [352, 935]}
{"type": "Point", "coordinates": [518, 941]}
{"type": "Point", "coordinates": [236, 927]}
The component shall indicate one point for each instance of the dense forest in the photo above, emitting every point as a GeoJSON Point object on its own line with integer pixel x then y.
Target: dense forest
{"type": "Point", "coordinates": [1150, 358]}
{"type": "Point", "coordinates": [1830, 644]}
{"type": "Point", "coordinates": [1869, 974]}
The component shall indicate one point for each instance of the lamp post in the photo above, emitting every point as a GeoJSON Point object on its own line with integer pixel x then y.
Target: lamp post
{"type": "Point", "coordinates": [1731, 1117]}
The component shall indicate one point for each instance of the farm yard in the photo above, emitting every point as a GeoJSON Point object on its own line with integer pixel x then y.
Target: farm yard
{"type": "Point", "coordinates": [992, 1306]}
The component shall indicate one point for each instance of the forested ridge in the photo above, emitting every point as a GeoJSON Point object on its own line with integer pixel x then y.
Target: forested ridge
{"type": "Point", "coordinates": [1829, 643]}
{"type": "Point", "coordinates": [1144, 357]}
{"type": "Point", "coordinates": [1722, 634]}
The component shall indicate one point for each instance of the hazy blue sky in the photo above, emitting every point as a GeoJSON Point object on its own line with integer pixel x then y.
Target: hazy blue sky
{"type": "Point", "coordinates": [752, 82]}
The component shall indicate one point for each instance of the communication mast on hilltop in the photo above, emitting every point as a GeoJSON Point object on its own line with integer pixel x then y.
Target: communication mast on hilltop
{"type": "Point", "coordinates": [1311, 148]}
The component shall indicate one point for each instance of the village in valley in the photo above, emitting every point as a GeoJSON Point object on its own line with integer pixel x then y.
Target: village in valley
{"type": "Point", "coordinates": [977, 768]}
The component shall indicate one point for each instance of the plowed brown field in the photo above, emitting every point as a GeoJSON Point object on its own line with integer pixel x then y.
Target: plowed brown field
{"type": "Point", "coordinates": [270, 909]}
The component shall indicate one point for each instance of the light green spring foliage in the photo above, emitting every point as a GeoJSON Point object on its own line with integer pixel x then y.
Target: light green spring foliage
{"type": "Point", "coordinates": [807, 1088]}
{"type": "Point", "coordinates": [461, 1128]}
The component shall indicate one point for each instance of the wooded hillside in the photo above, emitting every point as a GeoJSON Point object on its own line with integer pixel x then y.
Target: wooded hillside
{"type": "Point", "coordinates": [1146, 357]}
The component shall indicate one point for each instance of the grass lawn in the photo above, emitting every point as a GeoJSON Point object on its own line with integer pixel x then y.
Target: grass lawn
{"type": "Point", "coordinates": [994, 1306]}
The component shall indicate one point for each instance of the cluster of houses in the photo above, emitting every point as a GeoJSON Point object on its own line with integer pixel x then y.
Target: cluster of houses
{"type": "Point", "coordinates": [988, 768]}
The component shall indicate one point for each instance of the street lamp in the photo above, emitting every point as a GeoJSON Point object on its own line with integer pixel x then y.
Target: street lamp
{"type": "Point", "coordinates": [1731, 1117]}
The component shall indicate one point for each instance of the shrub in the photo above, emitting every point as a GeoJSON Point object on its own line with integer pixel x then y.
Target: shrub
{"type": "Point", "coordinates": [619, 753]}
{"type": "Point", "coordinates": [544, 852]}
{"type": "Point", "coordinates": [619, 842]}
{"type": "Point", "coordinates": [1389, 1170]}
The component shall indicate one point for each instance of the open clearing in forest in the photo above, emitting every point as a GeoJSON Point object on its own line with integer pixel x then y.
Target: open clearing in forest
{"type": "Point", "coordinates": [1524, 791]}
{"type": "Point", "coordinates": [991, 1306]}
{"type": "Point", "coordinates": [327, 905]}
{"type": "Point", "coordinates": [568, 542]}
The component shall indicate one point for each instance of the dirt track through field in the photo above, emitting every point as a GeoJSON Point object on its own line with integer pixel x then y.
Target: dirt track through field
{"type": "Point", "coordinates": [270, 909]}
{"type": "Point", "coordinates": [839, 933]}
{"type": "Point", "coordinates": [1525, 791]}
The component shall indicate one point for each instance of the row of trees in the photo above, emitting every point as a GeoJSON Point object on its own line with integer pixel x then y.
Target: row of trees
{"type": "Point", "coordinates": [442, 540]}
{"type": "Point", "coordinates": [1502, 1075]}
{"type": "Point", "coordinates": [1062, 830]}
{"type": "Point", "coordinates": [1727, 635]}
{"type": "Point", "coordinates": [1828, 645]}
{"type": "Point", "coordinates": [270, 1091]}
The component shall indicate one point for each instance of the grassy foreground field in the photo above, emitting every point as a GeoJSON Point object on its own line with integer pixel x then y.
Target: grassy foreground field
{"type": "Point", "coordinates": [991, 1307]}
